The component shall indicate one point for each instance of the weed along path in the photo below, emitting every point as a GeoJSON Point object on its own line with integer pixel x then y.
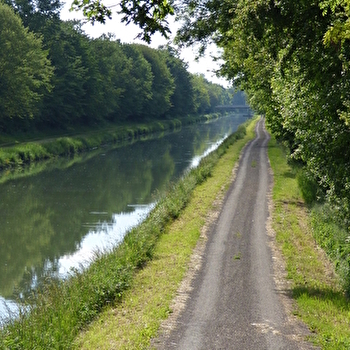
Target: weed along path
{"type": "Point", "coordinates": [234, 302]}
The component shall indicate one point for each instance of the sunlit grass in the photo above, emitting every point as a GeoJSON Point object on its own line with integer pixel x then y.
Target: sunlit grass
{"type": "Point", "coordinates": [320, 301]}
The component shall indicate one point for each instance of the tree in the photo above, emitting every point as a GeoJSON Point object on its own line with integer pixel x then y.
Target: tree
{"type": "Point", "coordinates": [182, 99]}
{"type": "Point", "coordinates": [107, 75]}
{"type": "Point", "coordinates": [138, 83]}
{"type": "Point", "coordinates": [292, 60]}
{"type": "Point", "coordinates": [201, 94]}
{"type": "Point", "coordinates": [66, 104]}
{"type": "Point", "coordinates": [162, 84]}
{"type": "Point", "coordinates": [25, 70]}
{"type": "Point", "coordinates": [36, 13]}
{"type": "Point", "coordinates": [216, 96]}
{"type": "Point", "coordinates": [149, 15]}
{"type": "Point", "coordinates": [233, 96]}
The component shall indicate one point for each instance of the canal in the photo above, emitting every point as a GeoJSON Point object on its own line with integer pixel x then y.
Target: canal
{"type": "Point", "coordinates": [54, 219]}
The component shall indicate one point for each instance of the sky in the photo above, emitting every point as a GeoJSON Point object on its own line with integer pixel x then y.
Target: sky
{"type": "Point", "coordinates": [127, 34]}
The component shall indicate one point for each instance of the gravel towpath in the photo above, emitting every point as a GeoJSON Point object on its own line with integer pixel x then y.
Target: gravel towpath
{"type": "Point", "coordinates": [234, 302]}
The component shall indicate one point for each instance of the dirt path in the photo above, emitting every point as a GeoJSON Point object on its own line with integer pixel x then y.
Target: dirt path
{"type": "Point", "coordinates": [234, 302]}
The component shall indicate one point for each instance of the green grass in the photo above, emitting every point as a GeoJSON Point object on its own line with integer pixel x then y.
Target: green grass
{"type": "Point", "coordinates": [334, 239]}
{"type": "Point", "coordinates": [320, 300]}
{"type": "Point", "coordinates": [33, 148]}
{"type": "Point", "coordinates": [62, 309]}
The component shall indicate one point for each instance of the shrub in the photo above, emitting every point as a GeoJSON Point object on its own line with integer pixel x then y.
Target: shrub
{"type": "Point", "coordinates": [308, 186]}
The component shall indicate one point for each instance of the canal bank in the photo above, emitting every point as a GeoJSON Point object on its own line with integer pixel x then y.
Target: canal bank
{"type": "Point", "coordinates": [25, 150]}
{"type": "Point", "coordinates": [55, 219]}
{"type": "Point", "coordinates": [133, 253]}
{"type": "Point", "coordinates": [133, 322]}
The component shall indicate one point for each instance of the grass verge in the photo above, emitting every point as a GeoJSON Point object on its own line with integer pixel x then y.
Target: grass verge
{"type": "Point", "coordinates": [320, 300]}
{"type": "Point", "coordinates": [23, 152]}
{"type": "Point", "coordinates": [63, 308]}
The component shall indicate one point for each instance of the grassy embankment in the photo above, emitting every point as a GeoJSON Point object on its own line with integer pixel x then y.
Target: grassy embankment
{"type": "Point", "coordinates": [320, 295]}
{"type": "Point", "coordinates": [24, 149]}
{"type": "Point", "coordinates": [63, 309]}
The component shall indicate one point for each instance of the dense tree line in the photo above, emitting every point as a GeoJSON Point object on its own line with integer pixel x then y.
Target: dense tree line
{"type": "Point", "coordinates": [292, 59]}
{"type": "Point", "coordinates": [53, 75]}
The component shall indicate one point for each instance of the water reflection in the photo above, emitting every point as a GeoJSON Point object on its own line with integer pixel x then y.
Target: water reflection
{"type": "Point", "coordinates": [102, 237]}
{"type": "Point", "coordinates": [55, 219]}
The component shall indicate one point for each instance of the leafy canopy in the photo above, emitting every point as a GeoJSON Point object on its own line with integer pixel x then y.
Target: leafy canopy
{"type": "Point", "coordinates": [149, 15]}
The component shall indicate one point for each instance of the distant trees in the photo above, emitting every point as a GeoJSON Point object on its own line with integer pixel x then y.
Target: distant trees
{"type": "Point", "coordinates": [162, 81]}
{"type": "Point", "coordinates": [138, 83]}
{"type": "Point", "coordinates": [53, 75]}
{"type": "Point", "coordinates": [292, 60]}
{"type": "Point", "coordinates": [183, 95]}
{"type": "Point", "coordinates": [68, 101]}
{"type": "Point", "coordinates": [201, 94]}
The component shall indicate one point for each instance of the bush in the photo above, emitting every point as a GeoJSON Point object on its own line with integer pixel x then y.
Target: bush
{"type": "Point", "coordinates": [309, 187]}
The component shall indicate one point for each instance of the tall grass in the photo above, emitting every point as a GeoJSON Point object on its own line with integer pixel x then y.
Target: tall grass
{"type": "Point", "coordinates": [329, 230]}
{"type": "Point", "coordinates": [334, 238]}
{"type": "Point", "coordinates": [56, 313]}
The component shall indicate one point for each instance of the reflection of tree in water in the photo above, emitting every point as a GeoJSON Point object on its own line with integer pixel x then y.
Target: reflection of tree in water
{"type": "Point", "coordinates": [45, 216]}
{"type": "Point", "coordinates": [212, 132]}
{"type": "Point", "coordinates": [164, 170]}
{"type": "Point", "coordinates": [34, 277]}
{"type": "Point", "coordinates": [26, 231]}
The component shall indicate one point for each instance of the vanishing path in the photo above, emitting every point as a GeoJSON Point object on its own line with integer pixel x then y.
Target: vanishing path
{"type": "Point", "coordinates": [234, 303]}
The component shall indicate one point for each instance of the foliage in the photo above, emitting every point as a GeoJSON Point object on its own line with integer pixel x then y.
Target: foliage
{"type": "Point", "coordinates": [67, 102]}
{"type": "Point", "coordinates": [334, 239]}
{"type": "Point", "coordinates": [138, 83]}
{"type": "Point", "coordinates": [182, 99]}
{"type": "Point", "coordinates": [292, 60]}
{"type": "Point", "coordinates": [25, 70]}
{"type": "Point", "coordinates": [201, 94]}
{"type": "Point", "coordinates": [36, 14]}
{"type": "Point", "coordinates": [90, 81]}
{"type": "Point", "coordinates": [149, 15]}
{"type": "Point", "coordinates": [162, 82]}
{"type": "Point", "coordinates": [94, 11]}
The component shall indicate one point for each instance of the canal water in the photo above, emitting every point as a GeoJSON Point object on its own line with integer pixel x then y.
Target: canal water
{"type": "Point", "coordinates": [54, 219]}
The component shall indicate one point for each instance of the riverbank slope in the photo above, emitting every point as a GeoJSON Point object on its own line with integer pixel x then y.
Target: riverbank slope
{"type": "Point", "coordinates": [62, 308]}
{"type": "Point", "coordinates": [23, 149]}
